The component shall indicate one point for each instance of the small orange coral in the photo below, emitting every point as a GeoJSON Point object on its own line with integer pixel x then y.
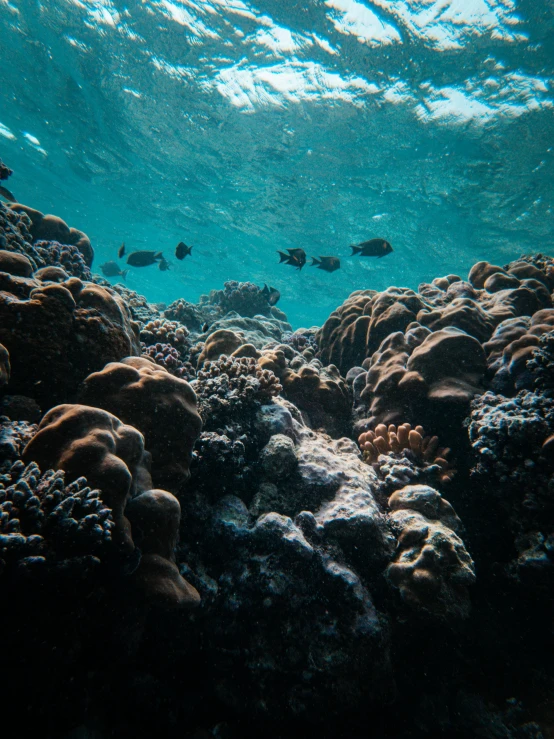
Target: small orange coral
{"type": "Point", "coordinates": [386, 439]}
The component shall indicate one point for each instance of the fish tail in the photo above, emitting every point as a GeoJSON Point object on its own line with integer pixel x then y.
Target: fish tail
{"type": "Point", "coordinates": [159, 255]}
{"type": "Point", "coordinates": [124, 273]}
{"type": "Point", "coordinates": [283, 257]}
{"type": "Point", "coordinates": [315, 261]}
{"type": "Point", "coordinates": [355, 249]}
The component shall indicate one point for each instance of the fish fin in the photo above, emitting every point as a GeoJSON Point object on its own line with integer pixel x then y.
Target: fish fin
{"type": "Point", "coordinates": [158, 255]}
{"type": "Point", "coordinates": [355, 249]}
{"type": "Point", "coordinates": [7, 194]}
{"type": "Point", "coordinates": [125, 273]}
{"type": "Point", "coordinates": [283, 257]}
{"type": "Point", "coordinates": [315, 261]}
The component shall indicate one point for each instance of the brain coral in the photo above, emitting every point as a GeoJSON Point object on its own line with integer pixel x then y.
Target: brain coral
{"type": "Point", "coordinates": [57, 334]}
{"type": "Point", "coordinates": [161, 406]}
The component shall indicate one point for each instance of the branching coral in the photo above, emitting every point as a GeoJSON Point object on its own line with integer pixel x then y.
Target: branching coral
{"type": "Point", "coordinates": [168, 357]}
{"type": "Point", "coordinates": [402, 439]}
{"type": "Point", "coordinates": [541, 363]}
{"type": "Point", "coordinates": [232, 384]}
{"type": "Point", "coordinates": [44, 522]}
{"type": "Point", "coordinates": [163, 331]}
{"type": "Point", "coordinates": [245, 298]}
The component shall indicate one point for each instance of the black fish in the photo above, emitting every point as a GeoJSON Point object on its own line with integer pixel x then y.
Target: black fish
{"type": "Point", "coordinates": [121, 251]}
{"type": "Point", "coordinates": [7, 194]}
{"type": "Point", "coordinates": [295, 257]}
{"type": "Point", "coordinates": [372, 248]}
{"type": "Point", "coordinates": [163, 264]}
{"type": "Point", "coordinates": [144, 258]}
{"type": "Point", "coordinates": [182, 250]}
{"type": "Point", "coordinates": [271, 294]}
{"type": "Point", "coordinates": [111, 269]}
{"type": "Point", "coordinates": [205, 327]}
{"type": "Point", "coordinates": [329, 264]}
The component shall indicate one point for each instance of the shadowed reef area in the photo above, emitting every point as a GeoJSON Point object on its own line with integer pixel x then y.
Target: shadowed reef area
{"type": "Point", "coordinates": [212, 525]}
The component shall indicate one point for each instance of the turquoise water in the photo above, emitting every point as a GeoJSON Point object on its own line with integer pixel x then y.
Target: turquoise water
{"type": "Point", "coordinates": [243, 128]}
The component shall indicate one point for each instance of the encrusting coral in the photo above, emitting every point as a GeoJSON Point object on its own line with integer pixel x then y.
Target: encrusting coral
{"type": "Point", "coordinates": [432, 568]}
{"type": "Point", "coordinates": [425, 449]}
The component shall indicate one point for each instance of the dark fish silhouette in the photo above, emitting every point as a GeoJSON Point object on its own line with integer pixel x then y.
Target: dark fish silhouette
{"type": "Point", "coordinates": [5, 171]}
{"type": "Point", "coordinates": [372, 248]}
{"type": "Point", "coordinates": [7, 194]}
{"type": "Point", "coordinates": [111, 269]}
{"type": "Point", "coordinates": [144, 258]}
{"type": "Point", "coordinates": [329, 264]}
{"type": "Point", "coordinates": [182, 250]}
{"type": "Point", "coordinates": [205, 327]}
{"type": "Point", "coordinates": [163, 264]}
{"type": "Point", "coordinates": [121, 251]}
{"type": "Point", "coordinates": [271, 294]}
{"type": "Point", "coordinates": [295, 257]}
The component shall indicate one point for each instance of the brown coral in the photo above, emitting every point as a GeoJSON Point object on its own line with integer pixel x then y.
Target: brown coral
{"type": "Point", "coordinates": [161, 406]}
{"type": "Point", "coordinates": [4, 365]}
{"type": "Point", "coordinates": [52, 228]}
{"type": "Point", "coordinates": [58, 333]}
{"type": "Point", "coordinates": [92, 443]}
{"type": "Point", "coordinates": [398, 439]}
{"type": "Point", "coordinates": [221, 342]}
{"type": "Point", "coordinates": [155, 516]}
{"type": "Point", "coordinates": [432, 569]}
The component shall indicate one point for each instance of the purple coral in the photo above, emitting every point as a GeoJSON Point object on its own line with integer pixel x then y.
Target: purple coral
{"type": "Point", "coordinates": [168, 357]}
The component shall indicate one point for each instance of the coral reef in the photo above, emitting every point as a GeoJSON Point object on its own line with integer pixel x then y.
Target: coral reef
{"type": "Point", "coordinates": [4, 365]}
{"type": "Point", "coordinates": [57, 334]}
{"type": "Point", "coordinates": [512, 441]}
{"type": "Point", "coordinates": [162, 407]}
{"type": "Point", "coordinates": [405, 441]}
{"type": "Point", "coordinates": [92, 443]}
{"type": "Point", "coordinates": [46, 525]}
{"type": "Point", "coordinates": [431, 568]}
{"type": "Point", "coordinates": [51, 228]}
{"type": "Point", "coordinates": [168, 357]}
{"type": "Point", "coordinates": [243, 298]}
{"type": "Point", "coordinates": [230, 386]}
{"type": "Point", "coordinates": [423, 375]}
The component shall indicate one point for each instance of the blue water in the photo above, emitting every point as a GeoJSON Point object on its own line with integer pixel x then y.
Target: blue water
{"type": "Point", "coordinates": [242, 128]}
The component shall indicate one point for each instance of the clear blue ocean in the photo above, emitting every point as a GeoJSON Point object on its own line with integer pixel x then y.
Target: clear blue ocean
{"type": "Point", "coordinates": [243, 128]}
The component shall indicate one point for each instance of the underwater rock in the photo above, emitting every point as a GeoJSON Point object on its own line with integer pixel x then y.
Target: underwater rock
{"type": "Point", "coordinates": [57, 334]}
{"type": "Point", "coordinates": [432, 568]}
{"type": "Point", "coordinates": [162, 407]}
{"type": "Point", "coordinates": [20, 408]}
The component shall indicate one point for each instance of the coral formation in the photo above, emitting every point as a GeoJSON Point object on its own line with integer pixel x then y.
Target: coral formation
{"type": "Point", "coordinates": [4, 365]}
{"type": "Point", "coordinates": [92, 443]}
{"type": "Point", "coordinates": [243, 298]}
{"type": "Point", "coordinates": [57, 334]}
{"type": "Point", "coordinates": [51, 228]}
{"type": "Point", "coordinates": [47, 525]}
{"type": "Point", "coordinates": [432, 568]}
{"type": "Point", "coordinates": [162, 407]}
{"type": "Point", "coordinates": [399, 441]}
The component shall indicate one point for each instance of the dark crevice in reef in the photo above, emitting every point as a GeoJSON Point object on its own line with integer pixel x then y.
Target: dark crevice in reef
{"type": "Point", "coordinates": [214, 526]}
